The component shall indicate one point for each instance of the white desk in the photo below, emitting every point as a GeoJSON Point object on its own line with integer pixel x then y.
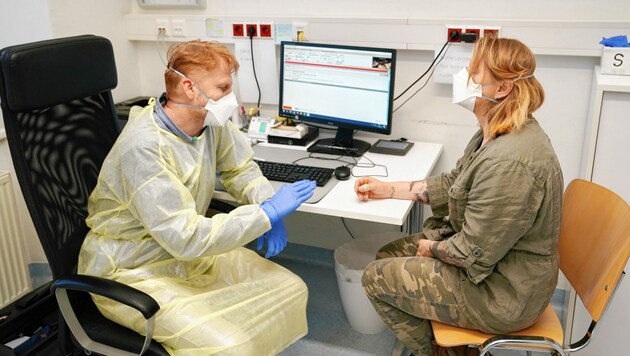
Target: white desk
{"type": "Point", "coordinates": [341, 201]}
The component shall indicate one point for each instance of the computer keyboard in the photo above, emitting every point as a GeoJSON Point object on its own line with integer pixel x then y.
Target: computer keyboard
{"type": "Point", "coordinates": [286, 172]}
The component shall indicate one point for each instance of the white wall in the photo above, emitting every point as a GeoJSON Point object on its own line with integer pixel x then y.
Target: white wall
{"type": "Point", "coordinates": [20, 22]}
{"type": "Point", "coordinates": [24, 21]}
{"type": "Point", "coordinates": [500, 9]}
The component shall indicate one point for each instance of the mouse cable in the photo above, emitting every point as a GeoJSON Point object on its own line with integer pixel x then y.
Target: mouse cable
{"type": "Point", "coordinates": [374, 165]}
{"type": "Point", "coordinates": [251, 42]}
{"type": "Point", "coordinates": [427, 71]}
{"type": "Point", "coordinates": [371, 164]}
{"type": "Point", "coordinates": [338, 158]}
{"type": "Point", "coordinates": [422, 87]}
{"type": "Point", "coordinates": [311, 155]}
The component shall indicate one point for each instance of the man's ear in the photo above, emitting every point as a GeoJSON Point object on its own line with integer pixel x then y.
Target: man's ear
{"type": "Point", "coordinates": [504, 89]}
{"type": "Point", "coordinates": [187, 87]}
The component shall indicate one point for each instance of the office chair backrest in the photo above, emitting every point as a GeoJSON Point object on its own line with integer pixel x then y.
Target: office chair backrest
{"type": "Point", "coordinates": [594, 242]}
{"type": "Point", "coordinates": [61, 123]}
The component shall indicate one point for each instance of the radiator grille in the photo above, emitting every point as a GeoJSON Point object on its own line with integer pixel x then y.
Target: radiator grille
{"type": "Point", "coordinates": [14, 278]}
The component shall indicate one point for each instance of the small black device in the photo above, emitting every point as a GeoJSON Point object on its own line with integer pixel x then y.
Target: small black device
{"type": "Point", "coordinates": [342, 173]}
{"type": "Point", "coordinates": [288, 172]}
{"type": "Point", "coordinates": [389, 147]}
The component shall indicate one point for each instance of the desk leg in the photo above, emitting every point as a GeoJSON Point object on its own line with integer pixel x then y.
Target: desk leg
{"type": "Point", "coordinates": [414, 219]}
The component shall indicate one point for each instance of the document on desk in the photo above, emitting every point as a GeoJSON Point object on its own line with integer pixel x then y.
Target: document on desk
{"type": "Point", "coordinates": [266, 71]}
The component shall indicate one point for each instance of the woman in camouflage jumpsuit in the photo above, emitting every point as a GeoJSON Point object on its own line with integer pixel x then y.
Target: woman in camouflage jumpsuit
{"type": "Point", "coordinates": [487, 259]}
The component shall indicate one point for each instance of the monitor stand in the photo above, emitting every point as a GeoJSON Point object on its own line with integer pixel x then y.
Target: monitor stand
{"type": "Point", "coordinates": [342, 145]}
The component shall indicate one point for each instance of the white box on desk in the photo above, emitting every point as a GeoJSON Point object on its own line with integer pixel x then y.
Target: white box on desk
{"type": "Point", "coordinates": [615, 60]}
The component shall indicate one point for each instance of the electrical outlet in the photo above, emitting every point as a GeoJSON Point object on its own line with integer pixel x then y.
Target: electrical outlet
{"type": "Point", "coordinates": [238, 30]}
{"type": "Point", "coordinates": [266, 30]}
{"type": "Point", "coordinates": [178, 27]}
{"type": "Point", "coordinates": [453, 34]}
{"type": "Point", "coordinates": [251, 30]}
{"type": "Point", "coordinates": [161, 26]}
{"type": "Point", "coordinates": [491, 31]}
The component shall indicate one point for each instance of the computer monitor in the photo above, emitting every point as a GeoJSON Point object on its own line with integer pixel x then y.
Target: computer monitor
{"type": "Point", "coordinates": [347, 87]}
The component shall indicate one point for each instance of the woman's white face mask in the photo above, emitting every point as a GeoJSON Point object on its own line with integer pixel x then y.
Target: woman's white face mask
{"type": "Point", "coordinates": [465, 92]}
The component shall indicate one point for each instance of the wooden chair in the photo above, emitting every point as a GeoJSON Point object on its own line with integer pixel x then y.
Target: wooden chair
{"type": "Point", "coordinates": [594, 247]}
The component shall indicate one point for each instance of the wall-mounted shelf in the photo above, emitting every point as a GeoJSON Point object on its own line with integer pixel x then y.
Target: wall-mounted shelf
{"type": "Point", "coordinates": [561, 38]}
{"type": "Point", "coordinates": [172, 4]}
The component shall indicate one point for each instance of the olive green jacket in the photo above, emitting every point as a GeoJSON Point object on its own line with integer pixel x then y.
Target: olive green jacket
{"type": "Point", "coordinates": [499, 211]}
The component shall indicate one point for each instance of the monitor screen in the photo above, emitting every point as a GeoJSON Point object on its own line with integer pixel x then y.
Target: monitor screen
{"type": "Point", "coordinates": [348, 87]}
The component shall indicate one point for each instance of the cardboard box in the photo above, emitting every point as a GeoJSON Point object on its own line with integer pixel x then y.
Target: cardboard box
{"type": "Point", "coordinates": [615, 60]}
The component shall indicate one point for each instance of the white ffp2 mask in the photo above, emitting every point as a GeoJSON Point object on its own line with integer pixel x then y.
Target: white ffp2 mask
{"type": "Point", "coordinates": [465, 92]}
{"type": "Point", "coordinates": [220, 111]}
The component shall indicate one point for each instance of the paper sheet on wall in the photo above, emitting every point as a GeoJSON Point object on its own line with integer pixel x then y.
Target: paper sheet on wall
{"type": "Point", "coordinates": [284, 32]}
{"type": "Point", "coordinates": [214, 27]}
{"type": "Point", "coordinates": [266, 71]}
{"type": "Point", "coordinates": [456, 57]}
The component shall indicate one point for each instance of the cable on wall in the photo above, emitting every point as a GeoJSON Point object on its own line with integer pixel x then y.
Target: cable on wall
{"type": "Point", "coordinates": [250, 33]}
{"type": "Point", "coordinates": [427, 71]}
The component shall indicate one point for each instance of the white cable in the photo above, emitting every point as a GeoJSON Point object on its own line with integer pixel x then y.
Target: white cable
{"type": "Point", "coordinates": [161, 40]}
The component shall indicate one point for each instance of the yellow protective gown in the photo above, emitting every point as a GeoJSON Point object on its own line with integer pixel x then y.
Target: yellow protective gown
{"type": "Point", "coordinates": [148, 230]}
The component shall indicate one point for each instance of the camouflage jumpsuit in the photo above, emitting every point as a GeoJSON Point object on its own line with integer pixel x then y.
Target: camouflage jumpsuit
{"type": "Point", "coordinates": [498, 217]}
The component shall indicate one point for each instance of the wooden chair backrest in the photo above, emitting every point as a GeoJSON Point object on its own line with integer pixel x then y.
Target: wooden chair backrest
{"type": "Point", "coordinates": [594, 242]}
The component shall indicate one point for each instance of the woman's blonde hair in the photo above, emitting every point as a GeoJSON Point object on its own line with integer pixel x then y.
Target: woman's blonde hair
{"type": "Point", "coordinates": [509, 59]}
{"type": "Point", "coordinates": [193, 56]}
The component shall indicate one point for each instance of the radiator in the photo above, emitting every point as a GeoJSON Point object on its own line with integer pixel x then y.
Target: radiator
{"type": "Point", "coordinates": [14, 277]}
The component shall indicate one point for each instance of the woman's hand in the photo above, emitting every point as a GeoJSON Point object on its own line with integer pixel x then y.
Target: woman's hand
{"type": "Point", "coordinates": [371, 188]}
{"type": "Point", "coordinates": [424, 248]}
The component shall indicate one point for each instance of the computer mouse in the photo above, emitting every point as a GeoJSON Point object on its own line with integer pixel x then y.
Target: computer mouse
{"type": "Point", "coordinates": [342, 172]}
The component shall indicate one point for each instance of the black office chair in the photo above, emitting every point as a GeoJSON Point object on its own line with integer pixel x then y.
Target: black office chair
{"type": "Point", "coordinates": [61, 123]}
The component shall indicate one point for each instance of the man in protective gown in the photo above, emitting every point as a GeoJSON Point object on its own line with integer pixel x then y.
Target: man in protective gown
{"type": "Point", "coordinates": [149, 229]}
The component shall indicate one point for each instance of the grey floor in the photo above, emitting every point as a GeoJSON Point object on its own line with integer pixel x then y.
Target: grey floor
{"type": "Point", "coordinates": [329, 331]}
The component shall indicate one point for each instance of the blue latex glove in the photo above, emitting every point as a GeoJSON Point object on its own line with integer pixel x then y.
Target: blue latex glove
{"type": "Point", "coordinates": [276, 239]}
{"type": "Point", "coordinates": [287, 199]}
{"type": "Point", "coordinates": [615, 41]}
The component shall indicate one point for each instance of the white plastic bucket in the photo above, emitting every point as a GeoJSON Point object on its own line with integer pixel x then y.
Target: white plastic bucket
{"type": "Point", "coordinates": [350, 261]}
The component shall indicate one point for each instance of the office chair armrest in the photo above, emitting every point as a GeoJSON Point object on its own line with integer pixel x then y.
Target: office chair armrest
{"type": "Point", "coordinates": [221, 206]}
{"type": "Point", "coordinates": [117, 291]}
{"type": "Point", "coordinates": [111, 289]}
{"type": "Point", "coordinates": [532, 343]}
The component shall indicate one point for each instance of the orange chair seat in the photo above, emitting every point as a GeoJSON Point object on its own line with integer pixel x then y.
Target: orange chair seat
{"type": "Point", "coordinates": [449, 336]}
